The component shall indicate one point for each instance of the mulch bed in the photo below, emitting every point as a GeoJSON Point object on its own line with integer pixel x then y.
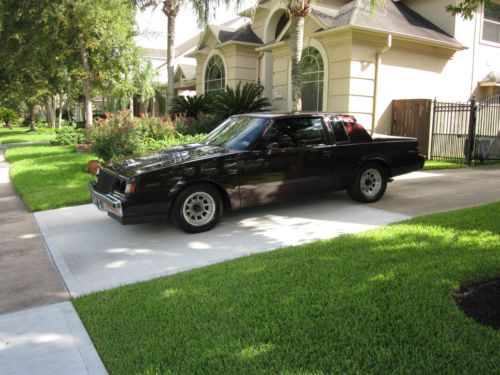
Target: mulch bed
{"type": "Point", "coordinates": [481, 301]}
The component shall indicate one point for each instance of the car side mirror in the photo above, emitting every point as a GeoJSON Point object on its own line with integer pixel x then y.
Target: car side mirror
{"type": "Point", "coordinates": [272, 146]}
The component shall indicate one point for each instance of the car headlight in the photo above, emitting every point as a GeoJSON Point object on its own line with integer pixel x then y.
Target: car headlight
{"type": "Point", "coordinates": [130, 187]}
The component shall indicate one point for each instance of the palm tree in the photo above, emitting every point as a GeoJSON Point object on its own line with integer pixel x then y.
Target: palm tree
{"type": "Point", "coordinates": [298, 9]}
{"type": "Point", "coordinates": [170, 8]}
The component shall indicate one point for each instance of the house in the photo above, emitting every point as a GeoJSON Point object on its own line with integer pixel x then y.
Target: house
{"type": "Point", "coordinates": [355, 60]}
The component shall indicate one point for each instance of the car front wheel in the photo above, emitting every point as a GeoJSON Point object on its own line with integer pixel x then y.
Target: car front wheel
{"type": "Point", "coordinates": [369, 184]}
{"type": "Point", "coordinates": [197, 208]}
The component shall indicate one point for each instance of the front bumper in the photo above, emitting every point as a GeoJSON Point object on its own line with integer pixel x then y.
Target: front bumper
{"type": "Point", "coordinates": [108, 203]}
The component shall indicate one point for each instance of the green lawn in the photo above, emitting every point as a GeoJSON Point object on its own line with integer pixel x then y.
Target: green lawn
{"type": "Point", "coordinates": [435, 165]}
{"type": "Point", "coordinates": [16, 135]}
{"type": "Point", "coordinates": [379, 302]}
{"type": "Point", "coordinates": [49, 177]}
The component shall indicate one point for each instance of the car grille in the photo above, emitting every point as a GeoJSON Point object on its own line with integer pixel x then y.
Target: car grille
{"type": "Point", "coordinates": [106, 182]}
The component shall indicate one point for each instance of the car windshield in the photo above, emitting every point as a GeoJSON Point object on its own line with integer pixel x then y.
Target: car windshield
{"type": "Point", "coordinates": [236, 132]}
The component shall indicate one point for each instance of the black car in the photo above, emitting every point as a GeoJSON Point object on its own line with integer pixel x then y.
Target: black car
{"type": "Point", "coordinates": [250, 160]}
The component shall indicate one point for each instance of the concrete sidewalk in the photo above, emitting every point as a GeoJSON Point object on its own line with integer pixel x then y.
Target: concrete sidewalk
{"type": "Point", "coordinates": [47, 340]}
{"type": "Point", "coordinates": [28, 276]}
{"type": "Point", "coordinates": [45, 337]}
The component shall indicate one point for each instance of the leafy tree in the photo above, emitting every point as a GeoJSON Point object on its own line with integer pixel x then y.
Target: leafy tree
{"type": "Point", "coordinates": [232, 101]}
{"type": "Point", "coordinates": [102, 31]}
{"type": "Point", "coordinates": [465, 8]}
{"type": "Point", "coordinates": [145, 83]}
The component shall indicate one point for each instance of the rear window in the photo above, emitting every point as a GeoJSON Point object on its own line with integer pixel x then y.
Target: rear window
{"type": "Point", "coordinates": [346, 128]}
{"type": "Point", "coordinates": [339, 130]}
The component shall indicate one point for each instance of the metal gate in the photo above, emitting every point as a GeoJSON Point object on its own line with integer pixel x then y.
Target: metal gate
{"type": "Point", "coordinates": [466, 131]}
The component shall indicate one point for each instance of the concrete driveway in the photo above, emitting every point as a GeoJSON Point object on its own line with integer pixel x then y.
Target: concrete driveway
{"type": "Point", "coordinates": [94, 252]}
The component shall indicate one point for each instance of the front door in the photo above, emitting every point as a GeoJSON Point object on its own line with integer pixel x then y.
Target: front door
{"type": "Point", "coordinates": [293, 158]}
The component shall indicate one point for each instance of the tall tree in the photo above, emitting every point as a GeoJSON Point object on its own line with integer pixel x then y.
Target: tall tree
{"type": "Point", "coordinates": [202, 10]}
{"type": "Point", "coordinates": [103, 32]}
{"type": "Point", "coordinates": [298, 9]}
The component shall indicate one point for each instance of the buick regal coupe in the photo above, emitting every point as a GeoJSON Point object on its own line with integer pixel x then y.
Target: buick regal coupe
{"type": "Point", "coordinates": [250, 160]}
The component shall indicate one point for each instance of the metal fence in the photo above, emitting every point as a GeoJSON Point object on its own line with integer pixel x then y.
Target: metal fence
{"type": "Point", "coordinates": [466, 131]}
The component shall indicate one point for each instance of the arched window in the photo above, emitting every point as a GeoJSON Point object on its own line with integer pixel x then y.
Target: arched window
{"type": "Point", "coordinates": [215, 76]}
{"type": "Point", "coordinates": [312, 80]}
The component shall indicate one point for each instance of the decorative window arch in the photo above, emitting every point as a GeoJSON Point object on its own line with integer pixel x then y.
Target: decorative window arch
{"type": "Point", "coordinates": [215, 74]}
{"type": "Point", "coordinates": [313, 76]}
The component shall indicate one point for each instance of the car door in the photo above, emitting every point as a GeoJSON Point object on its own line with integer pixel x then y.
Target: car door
{"type": "Point", "coordinates": [293, 158]}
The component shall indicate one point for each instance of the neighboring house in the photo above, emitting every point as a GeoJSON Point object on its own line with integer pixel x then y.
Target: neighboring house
{"type": "Point", "coordinates": [354, 60]}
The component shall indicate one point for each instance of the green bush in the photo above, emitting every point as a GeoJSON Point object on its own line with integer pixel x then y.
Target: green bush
{"type": "Point", "coordinates": [8, 116]}
{"type": "Point", "coordinates": [203, 125]}
{"type": "Point", "coordinates": [190, 106]}
{"type": "Point", "coordinates": [69, 134]}
{"type": "Point", "coordinates": [155, 127]}
{"type": "Point", "coordinates": [114, 136]}
{"type": "Point", "coordinates": [151, 145]}
{"type": "Point", "coordinates": [244, 99]}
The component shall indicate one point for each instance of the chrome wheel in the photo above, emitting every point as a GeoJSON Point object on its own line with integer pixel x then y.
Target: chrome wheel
{"type": "Point", "coordinates": [370, 182]}
{"type": "Point", "coordinates": [199, 209]}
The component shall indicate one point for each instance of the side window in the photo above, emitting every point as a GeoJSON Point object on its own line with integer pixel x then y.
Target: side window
{"type": "Point", "coordinates": [295, 132]}
{"type": "Point", "coordinates": [338, 130]}
{"type": "Point", "coordinates": [279, 134]}
{"type": "Point", "coordinates": [308, 131]}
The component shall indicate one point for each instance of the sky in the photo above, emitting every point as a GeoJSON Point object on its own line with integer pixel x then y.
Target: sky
{"type": "Point", "coordinates": [153, 25]}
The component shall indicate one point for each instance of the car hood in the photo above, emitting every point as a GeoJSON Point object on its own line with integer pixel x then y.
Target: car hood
{"type": "Point", "coordinates": [168, 158]}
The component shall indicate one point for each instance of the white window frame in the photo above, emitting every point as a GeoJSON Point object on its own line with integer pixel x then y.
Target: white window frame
{"type": "Point", "coordinates": [483, 20]}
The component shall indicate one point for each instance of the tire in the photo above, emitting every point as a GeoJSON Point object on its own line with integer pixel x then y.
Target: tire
{"type": "Point", "coordinates": [369, 184]}
{"type": "Point", "coordinates": [197, 208]}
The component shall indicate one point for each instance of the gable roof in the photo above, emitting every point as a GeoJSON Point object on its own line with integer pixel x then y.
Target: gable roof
{"type": "Point", "coordinates": [395, 18]}
{"type": "Point", "coordinates": [189, 71]}
{"type": "Point", "coordinates": [243, 34]}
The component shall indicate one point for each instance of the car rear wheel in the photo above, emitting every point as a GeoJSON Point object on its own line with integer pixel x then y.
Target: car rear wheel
{"type": "Point", "coordinates": [197, 208]}
{"type": "Point", "coordinates": [369, 184]}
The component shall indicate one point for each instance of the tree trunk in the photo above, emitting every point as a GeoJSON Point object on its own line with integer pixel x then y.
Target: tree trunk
{"type": "Point", "coordinates": [87, 86]}
{"type": "Point", "coordinates": [68, 105]}
{"type": "Point", "coordinates": [54, 109]}
{"type": "Point", "coordinates": [49, 111]}
{"type": "Point", "coordinates": [59, 118]}
{"type": "Point", "coordinates": [296, 46]}
{"type": "Point", "coordinates": [141, 106]}
{"type": "Point", "coordinates": [131, 104]}
{"type": "Point", "coordinates": [171, 9]}
{"type": "Point", "coordinates": [32, 106]}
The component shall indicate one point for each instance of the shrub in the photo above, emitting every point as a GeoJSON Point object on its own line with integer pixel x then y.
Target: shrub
{"type": "Point", "coordinates": [69, 134]}
{"type": "Point", "coordinates": [8, 116]}
{"type": "Point", "coordinates": [114, 136]}
{"type": "Point", "coordinates": [151, 145]}
{"type": "Point", "coordinates": [190, 106]}
{"type": "Point", "coordinates": [203, 125]}
{"type": "Point", "coordinates": [155, 127]}
{"type": "Point", "coordinates": [244, 99]}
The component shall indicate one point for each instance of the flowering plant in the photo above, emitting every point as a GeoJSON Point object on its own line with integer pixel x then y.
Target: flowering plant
{"type": "Point", "coordinates": [115, 135]}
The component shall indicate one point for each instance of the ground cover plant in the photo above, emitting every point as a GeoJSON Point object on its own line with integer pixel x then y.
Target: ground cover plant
{"type": "Point", "coordinates": [47, 177]}
{"type": "Point", "coordinates": [439, 164]}
{"type": "Point", "coordinates": [375, 302]}
{"type": "Point", "coordinates": [22, 134]}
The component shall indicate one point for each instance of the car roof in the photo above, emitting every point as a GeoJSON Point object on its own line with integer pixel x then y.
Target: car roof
{"type": "Point", "coordinates": [274, 115]}
{"type": "Point", "coordinates": [286, 114]}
